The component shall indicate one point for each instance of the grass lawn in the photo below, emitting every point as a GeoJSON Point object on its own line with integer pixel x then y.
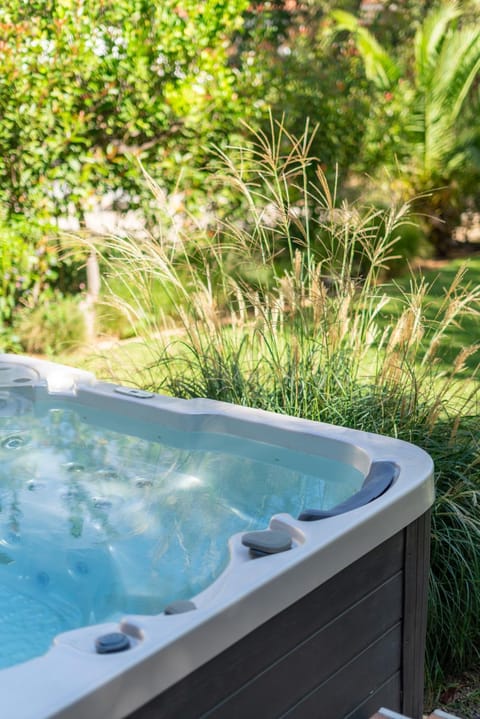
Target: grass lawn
{"type": "Point", "coordinates": [128, 361]}
{"type": "Point", "coordinates": [438, 279]}
{"type": "Point", "coordinates": [123, 362]}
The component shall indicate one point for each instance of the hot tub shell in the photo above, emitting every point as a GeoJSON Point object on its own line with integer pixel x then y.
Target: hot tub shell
{"type": "Point", "coordinates": [333, 628]}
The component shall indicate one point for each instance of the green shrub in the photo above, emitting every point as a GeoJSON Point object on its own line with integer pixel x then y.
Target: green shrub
{"type": "Point", "coordinates": [111, 321]}
{"type": "Point", "coordinates": [313, 336]}
{"type": "Point", "coordinates": [53, 327]}
{"type": "Point", "coordinates": [28, 265]}
{"type": "Point", "coordinates": [83, 89]}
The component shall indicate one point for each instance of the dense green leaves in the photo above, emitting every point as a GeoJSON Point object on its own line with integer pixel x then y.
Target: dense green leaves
{"type": "Point", "coordinates": [416, 123]}
{"type": "Point", "coordinates": [305, 77]}
{"type": "Point", "coordinates": [379, 66]}
{"type": "Point", "coordinates": [84, 87]}
{"type": "Point", "coordinates": [28, 265]}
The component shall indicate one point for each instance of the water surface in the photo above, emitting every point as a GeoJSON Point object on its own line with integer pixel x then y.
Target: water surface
{"type": "Point", "coordinates": [97, 523]}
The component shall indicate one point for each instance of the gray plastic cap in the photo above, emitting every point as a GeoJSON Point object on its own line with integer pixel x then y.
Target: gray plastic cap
{"type": "Point", "coordinates": [113, 642]}
{"type": "Point", "coordinates": [180, 607]}
{"type": "Point", "coordinates": [269, 541]}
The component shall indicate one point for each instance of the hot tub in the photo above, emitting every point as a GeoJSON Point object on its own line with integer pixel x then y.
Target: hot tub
{"type": "Point", "coordinates": [185, 559]}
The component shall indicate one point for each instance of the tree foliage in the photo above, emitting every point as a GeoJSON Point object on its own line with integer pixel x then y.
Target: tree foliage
{"type": "Point", "coordinates": [85, 85]}
{"type": "Point", "coordinates": [422, 93]}
{"type": "Point", "coordinates": [305, 77]}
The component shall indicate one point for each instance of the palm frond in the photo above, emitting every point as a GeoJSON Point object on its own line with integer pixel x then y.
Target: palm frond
{"type": "Point", "coordinates": [430, 38]}
{"type": "Point", "coordinates": [457, 68]}
{"type": "Point", "coordinates": [380, 67]}
{"type": "Point", "coordinates": [447, 62]}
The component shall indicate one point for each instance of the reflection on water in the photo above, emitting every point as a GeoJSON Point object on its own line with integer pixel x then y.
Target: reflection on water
{"type": "Point", "coordinates": [95, 523]}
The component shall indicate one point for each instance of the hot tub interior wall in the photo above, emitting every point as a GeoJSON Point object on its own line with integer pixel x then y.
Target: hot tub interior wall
{"type": "Point", "coordinates": [352, 645]}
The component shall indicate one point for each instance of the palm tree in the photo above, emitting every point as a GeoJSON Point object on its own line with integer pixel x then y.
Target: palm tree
{"type": "Point", "coordinates": [431, 89]}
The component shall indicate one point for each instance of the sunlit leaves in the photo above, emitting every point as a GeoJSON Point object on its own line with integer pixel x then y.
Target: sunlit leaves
{"type": "Point", "coordinates": [86, 86]}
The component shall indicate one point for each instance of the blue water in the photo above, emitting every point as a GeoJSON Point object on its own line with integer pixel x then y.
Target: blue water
{"type": "Point", "coordinates": [95, 523]}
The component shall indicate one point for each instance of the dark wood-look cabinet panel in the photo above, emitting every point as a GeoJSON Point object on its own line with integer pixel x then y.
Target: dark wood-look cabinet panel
{"type": "Point", "coordinates": [342, 647]}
